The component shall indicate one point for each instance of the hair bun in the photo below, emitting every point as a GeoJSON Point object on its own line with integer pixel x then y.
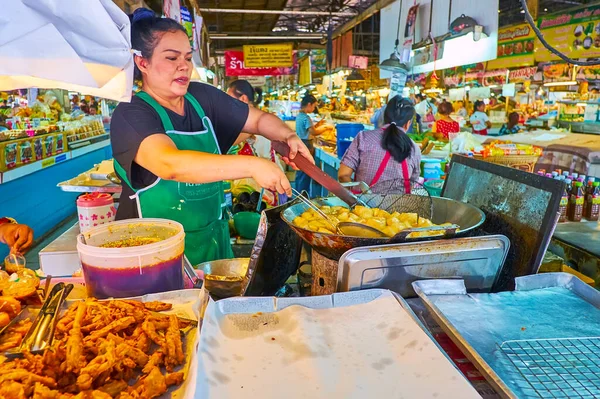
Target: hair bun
{"type": "Point", "coordinates": [142, 13]}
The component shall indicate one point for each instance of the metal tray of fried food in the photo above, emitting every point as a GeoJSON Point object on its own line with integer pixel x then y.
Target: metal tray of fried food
{"type": "Point", "coordinates": [477, 260]}
{"type": "Point", "coordinates": [109, 345]}
{"type": "Point", "coordinates": [540, 341]}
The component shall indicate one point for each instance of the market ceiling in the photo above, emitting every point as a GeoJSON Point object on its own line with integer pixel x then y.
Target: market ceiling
{"type": "Point", "coordinates": [237, 23]}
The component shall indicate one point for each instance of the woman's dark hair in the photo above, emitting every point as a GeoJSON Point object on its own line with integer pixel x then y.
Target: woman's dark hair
{"type": "Point", "coordinates": [309, 99]}
{"type": "Point", "coordinates": [243, 87]}
{"type": "Point", "coordinates": [477, 104]}
{"type": "Point", "coordinates": [146, 31]}
{"type": "Point", "coordinates": [398, 112]}
{"type": "Point", "coordinates": [445, 108]}
{"type": "Point", "coordinates": [420, 96]}
{"type": "Point", "coordinates": [513, 119]}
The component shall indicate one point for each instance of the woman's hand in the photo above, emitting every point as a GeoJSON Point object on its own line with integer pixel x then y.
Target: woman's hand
{"type": "Point", "coordinates": [18, 237]}
{"type": "Point", "coordinates": [297, 146]}
{"type": "Point", "coordinates": [268, 175]}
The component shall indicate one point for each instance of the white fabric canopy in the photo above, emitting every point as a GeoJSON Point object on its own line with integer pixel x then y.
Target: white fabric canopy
{"type": "Point", "coordinates": [76, 45]}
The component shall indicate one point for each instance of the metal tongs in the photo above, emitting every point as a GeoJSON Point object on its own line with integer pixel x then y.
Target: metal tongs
{"type": "Point", "coordinates": [40, 335]}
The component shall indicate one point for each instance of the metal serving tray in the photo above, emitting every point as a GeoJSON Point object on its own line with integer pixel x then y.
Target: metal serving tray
{"type": "Point", "coordinates": [477, 260]}
{"type": "Point", "coordinates": [539, 341]}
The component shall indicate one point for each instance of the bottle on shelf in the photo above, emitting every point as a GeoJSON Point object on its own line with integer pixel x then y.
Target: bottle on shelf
{"type": "Point", "coordinates": [576, 200]}
{"type": "Point", "coordinates": [593, 202]}
{"type": "Point", "coordinates": [587, 193]}
{"type": "Point", "coordinates": [564, 202]}
{"type": "Point", "coordinates": [554, 174]}
{"type": "Point", "coordinates": [565, 173]}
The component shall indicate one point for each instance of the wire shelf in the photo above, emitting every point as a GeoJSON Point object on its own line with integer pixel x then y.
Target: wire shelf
{"type": "Point", "coordinates": [557, 368]}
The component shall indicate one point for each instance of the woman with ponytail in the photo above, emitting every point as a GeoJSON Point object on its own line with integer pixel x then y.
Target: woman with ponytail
{"type": "Point", "coordinates": [385, 154]}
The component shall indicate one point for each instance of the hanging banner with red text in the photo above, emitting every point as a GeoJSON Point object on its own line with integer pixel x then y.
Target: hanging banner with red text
{"type": "Point", "coordinates": [234, 66]}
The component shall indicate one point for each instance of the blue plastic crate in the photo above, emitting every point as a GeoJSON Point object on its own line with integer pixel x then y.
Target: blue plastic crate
{"type": "Point", "coordinates": [346, 132]}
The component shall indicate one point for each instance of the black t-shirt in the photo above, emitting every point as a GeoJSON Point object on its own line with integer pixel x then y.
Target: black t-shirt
{"type": "Point", "coordinates": [132, 122]}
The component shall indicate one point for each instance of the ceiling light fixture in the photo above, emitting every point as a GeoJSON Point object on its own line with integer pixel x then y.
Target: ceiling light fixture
{"type": "Point", "coordinates": [554, 84]}
{"type": "Point", "coordinates": [355, 76]}
{"type": "Point", "coordinates": [393, 63]}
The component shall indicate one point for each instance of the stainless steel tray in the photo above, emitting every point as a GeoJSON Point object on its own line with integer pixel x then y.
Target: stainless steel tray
{"type": "Point", "coordinates": [507, 335]}
{"type": "Point", "coordinates": [477, 260]}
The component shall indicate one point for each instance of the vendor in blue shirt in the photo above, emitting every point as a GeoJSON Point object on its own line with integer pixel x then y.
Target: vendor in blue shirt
{"type": "Point", "coordinates": [306, 130]}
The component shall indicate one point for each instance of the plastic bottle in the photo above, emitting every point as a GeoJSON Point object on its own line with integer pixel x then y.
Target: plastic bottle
{"type": "Point", "coordinates": [549, 175]}
{"type": "Point", "coordinates": [576, 200]}
{"type": "Point", "coordinates": [564, 202]}
{"type": "Point", "coordinates": [554, 174]}
{"type": "Point", "coordinates": [593, 202]}
{"type": "Point", "coordinates": [583, 177]}
{"type": "Point", "coordinates": [575, 175]}
{"type": "Point", "coordinates": [588, 190]}
{"type": "Point", "coordinates": [565, 173]}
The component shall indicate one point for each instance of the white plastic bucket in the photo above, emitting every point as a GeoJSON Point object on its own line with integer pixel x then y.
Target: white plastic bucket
{"type": "Point", "coordinates": [132, 271]}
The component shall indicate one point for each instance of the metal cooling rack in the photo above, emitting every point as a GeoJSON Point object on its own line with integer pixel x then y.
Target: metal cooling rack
{"type": "Point", "coordinates": [558, 368]}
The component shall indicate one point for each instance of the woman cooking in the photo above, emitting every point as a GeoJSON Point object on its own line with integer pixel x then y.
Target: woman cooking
{"type": "Point", "coordinates": [386, 154]}
{"type": "Point", "coordinates": [167, 142]}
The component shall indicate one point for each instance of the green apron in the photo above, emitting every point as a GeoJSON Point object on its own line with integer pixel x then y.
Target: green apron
{"type": "Point", "coordinates": [198, 207]}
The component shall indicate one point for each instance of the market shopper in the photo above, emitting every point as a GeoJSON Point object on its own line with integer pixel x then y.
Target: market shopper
{"type": "Point", "coordinates": [425, 108]}
{"type": "Point", "coordinates": [386, 154]}
{"type": "Point", "coordinates": [479, 119]}
{"type": "Point", "coordinates": [512, 126]}
{"type": "Point", "coordinates": [306, 131]}
{"type": "Point", "coordinates": [168, 141]}
{"type": "Point", "coordinates": [18, 237]}
{"type": "Point", "coordinates": [445, 124]}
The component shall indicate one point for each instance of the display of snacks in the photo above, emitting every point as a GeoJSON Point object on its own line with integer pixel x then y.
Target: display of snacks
{"type": "Point", "coordinates": [498, 148]}
{"type": "Point", "coordinates": [104, 350]}
{"type": "Point", "coordinates": [23, 146]}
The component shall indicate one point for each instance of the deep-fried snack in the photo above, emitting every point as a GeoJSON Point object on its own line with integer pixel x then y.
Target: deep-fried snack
{"type": "Point", "coordinates": [157, 306]}
{"type": "Point", "coordinates": [75, 340]}
{"type": "Point", "coordinates": [99, 348]}
{"type": "Point", "coordinates": [113, 388]}
{"type": "Point", "coordinates": [26, 285]}
{"type": "Point", "coordinates": [10, 306]}
{"type": "Point", "coordinates": [4, 319]}
{"type": "Point", "coordinates": [115, 326]}
{"type": "Point", "coordinates": [13, 336]}
{"type": "Point", "coordinates": [173, 345]}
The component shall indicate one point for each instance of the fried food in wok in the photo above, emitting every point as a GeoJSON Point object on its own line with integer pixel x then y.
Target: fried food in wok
{"type": "Point", "coordinates": [100, 348]}
{"type": "Point", "coordinates": [388, 223]}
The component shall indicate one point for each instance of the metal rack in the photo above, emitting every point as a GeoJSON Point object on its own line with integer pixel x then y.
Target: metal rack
{"type": "Point", "coordinates": [557, 368]}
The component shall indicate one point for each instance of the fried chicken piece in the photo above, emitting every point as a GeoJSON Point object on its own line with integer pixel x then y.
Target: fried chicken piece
{"type": "Point", "coordinates": [152, 385]}
{"type": "Point", "coordinates": [156, 360]}
{"type": "Point", "coordinates": [10, 340]}
{"type": "Point", "coordinates": [75, 341]}
{"type": "Point", "coordinates": [115, 326]}
{"type": "Point", "coordinates": [134, 309]}
{"type": "Point", "coordinates": [125, 349]}
{"type": "Point", "coordinates": [174, 346]}
{"type": "Point", "coordinates": [10, 306]}
{"type": "Point", "coordinates": [113, 388]}
{"type": "Point", "coordinates": [43, 392]}
{"type": "Point", "coordinates": [4, 319]}
{"type": "Point", "coordinates": [12, 390]}
{"type": "Point", "coordinates": [25, 376]}
{"type": "Point", "coordinates": [150, 330]}
{"type": "Point", "coordinates": [100, 364]}
{"type": "Point", "coordinates": [157, 306]}
{"type": "Point", "coordinates": [174, 378]}
{"type": "Point", "coordinates": [92, 395]}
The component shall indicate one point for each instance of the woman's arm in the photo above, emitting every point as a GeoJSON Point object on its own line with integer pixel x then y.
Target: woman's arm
{"type": "Point", "coordinates": [158, 154]}
{"type": "Point", "coordinates": [275, 129]}
{"type": "Point", "coordinates": [345, 174]}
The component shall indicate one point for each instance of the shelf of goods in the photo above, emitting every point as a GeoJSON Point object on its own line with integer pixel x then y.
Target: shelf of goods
{"type": "Point", "coordinates": [28, 189]}
{"type": "Point", "coordinates": [579, 116]}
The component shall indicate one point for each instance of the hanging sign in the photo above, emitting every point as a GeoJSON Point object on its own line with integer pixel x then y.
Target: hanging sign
{"type": "Point", "coordinates": [427, 54]}
{"type": "Point", "coordinates": [358, 62]}
{"type": "Point", "coordinates": [590, 74]}
{"type": "Point", "coordinates": [509, 90]}
{"type": "Point", "coordinates": [235, 66]}
{"type": "Point", "coordinates": [269, 55]}
{"type": "Point", "coordinates": [515, 47]}
{"type": "Point", "coordinates": [522, 74]}
{"type": "Point", "coordinates": [479, 93]}
{"type": "Point", "coordinates": [397, 83]}
{"type": "Point", "coordinates": [318, 59]}
{"type": "Point", "coordinates": [304, 71]}
{"type": "Point", "coordinates": [575, 33]}
{"type": "Point", "coordinates": [557, 73]}
{"type": "Point", "coordinates": [456, 94]}
{"type": "Point", "coordinates": [171, 9]}
{"type": "Point", "coordinates": [188, 24]}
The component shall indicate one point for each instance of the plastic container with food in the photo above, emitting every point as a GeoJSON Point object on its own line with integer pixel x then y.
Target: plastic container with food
{"type": "Point", "coordinates": [132, 257]}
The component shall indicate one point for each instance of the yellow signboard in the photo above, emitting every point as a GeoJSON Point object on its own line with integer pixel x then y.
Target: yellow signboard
{"type": "Point", "coordinates": [268, 55]}
{"type": "Point", "coordinates": [515, 47]}
{"type": "Point", "coordinates": [575, 33]}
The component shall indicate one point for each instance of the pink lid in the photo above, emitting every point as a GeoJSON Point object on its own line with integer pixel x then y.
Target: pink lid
{"type": "Point", "coordinates": [95, 199]}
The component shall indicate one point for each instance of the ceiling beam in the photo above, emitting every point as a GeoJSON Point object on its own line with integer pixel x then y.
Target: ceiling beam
{"type": "Point", "coordinates": [280, 12]}
{"type": "Point", "coordinates": [373, 9]}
